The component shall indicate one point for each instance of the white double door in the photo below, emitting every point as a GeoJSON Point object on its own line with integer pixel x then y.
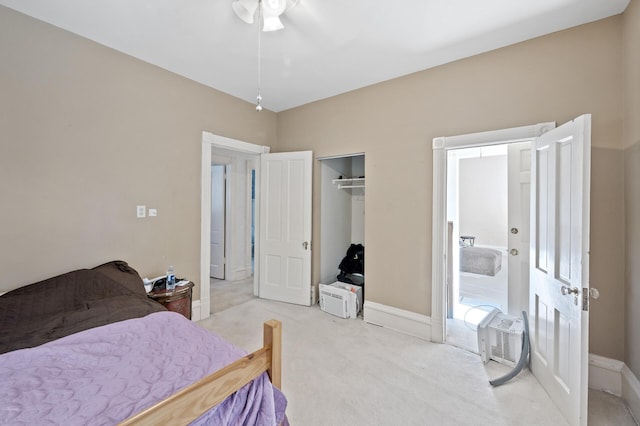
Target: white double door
{"type": "Point", "coordinates": [559, 265]}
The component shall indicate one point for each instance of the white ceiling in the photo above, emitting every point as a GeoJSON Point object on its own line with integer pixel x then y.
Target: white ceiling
{"type": "Point", "coordinates": [327, 47]}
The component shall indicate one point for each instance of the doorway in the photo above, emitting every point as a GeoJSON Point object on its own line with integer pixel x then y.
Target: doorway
{"type": "Point", "coordinates": [232, 197]}
{"type": "Point", "coordinates": [488, 202]}
{"type": "Point", "coordinates": [443, 243]}
{"type": "Point", "coordinates": [241, 224]}
{"type": "Point", "coordinates": [477, 215]}
{"type": "Point", "coordinates": [232, 225]}
{"type": "Point", "coordinates": [282, 232]}
{"type": "Point", "coordinates": [557, 298]}
{"type": "Point", "coordinates": [342, 210]}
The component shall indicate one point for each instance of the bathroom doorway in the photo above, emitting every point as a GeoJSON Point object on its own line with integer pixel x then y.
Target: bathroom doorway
{"type": "Point", "coordinates": [487, 215]}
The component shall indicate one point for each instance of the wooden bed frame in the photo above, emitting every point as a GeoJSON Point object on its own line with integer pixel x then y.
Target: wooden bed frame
{"type": "Point", "coordinates": [191, 402]}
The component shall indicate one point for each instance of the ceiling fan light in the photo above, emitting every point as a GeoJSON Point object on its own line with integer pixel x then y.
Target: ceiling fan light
{"type": "Point", "coordinates": [272, 23]}
{"type": "Point", "coordinates": [273, 7]}
{"type": "Point", "coordinates": [271, 11]}
{"type": "Point", "coordinates": [245, 9]}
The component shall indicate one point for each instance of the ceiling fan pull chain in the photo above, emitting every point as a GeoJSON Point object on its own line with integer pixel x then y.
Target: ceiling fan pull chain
{"type": "Point", "coordinates": [259, 98]}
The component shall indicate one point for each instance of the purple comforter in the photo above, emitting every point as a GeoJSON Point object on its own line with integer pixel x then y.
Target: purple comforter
{"type": "Point", "coordinates": [106, 374]}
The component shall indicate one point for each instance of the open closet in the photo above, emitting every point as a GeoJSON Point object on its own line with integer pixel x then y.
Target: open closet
{"type": "Point", "coordinates": [341, 211]}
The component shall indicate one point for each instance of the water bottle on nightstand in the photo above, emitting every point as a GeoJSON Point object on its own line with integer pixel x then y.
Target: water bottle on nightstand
{"type": "Point", "coordinates": [171, 279]}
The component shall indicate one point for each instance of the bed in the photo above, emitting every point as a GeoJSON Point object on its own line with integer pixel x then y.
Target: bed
{"type": "Point", "coordinates": [89, 347]}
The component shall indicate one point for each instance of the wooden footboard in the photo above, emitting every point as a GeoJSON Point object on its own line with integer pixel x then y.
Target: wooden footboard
{"type": "Point", "coordinates": [191, 402]}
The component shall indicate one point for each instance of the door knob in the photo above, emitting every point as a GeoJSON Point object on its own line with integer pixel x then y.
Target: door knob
{"type": "Point", "coordinates": [566, 290]}
{"type": "Point", "coordinates": [513, 252]}
{"type": "Point", "coordinates": [514, 230]}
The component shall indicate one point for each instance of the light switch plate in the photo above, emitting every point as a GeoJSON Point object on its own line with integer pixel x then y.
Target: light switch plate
{"type": "Point", "coordinates": [153, 212]}
{"type": "Point", "coordinates": [141, 211]}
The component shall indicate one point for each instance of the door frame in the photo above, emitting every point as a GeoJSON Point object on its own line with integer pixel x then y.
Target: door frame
{"type": "Point", "coordinates": [211, 141]}
{"type": "Point", "coordinates": [441, 146]}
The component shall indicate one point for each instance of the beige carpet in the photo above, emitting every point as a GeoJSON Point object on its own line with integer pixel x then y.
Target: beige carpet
{"type": "Point", "coordinates": [347, 372]}
{"type": "Point", "coordinates": [227, 294]}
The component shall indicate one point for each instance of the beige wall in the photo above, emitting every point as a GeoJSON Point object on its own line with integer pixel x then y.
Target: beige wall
{"type": "Point", "coordinates": [483, 201]}
{"type": "Point", "coordinates": [86, 134]}
{"type": "Point", "coordinates": [631, 141]}
{"type": "Point", "coordinates": [606, 327]}
{"type": "Point", "coordinates": [552, 78]}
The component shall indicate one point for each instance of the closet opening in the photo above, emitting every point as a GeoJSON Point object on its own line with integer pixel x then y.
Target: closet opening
{"type": "Point", "coordinates": [342, 217]}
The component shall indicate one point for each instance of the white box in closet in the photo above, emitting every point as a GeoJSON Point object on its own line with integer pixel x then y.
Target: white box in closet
{"type": "Point", "coordinates": [341, 299]}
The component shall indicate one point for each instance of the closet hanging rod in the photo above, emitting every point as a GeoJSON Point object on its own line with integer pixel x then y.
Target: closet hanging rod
{"type": "Point", "coordinates": [358, 179]}
{"type": "Point", "coordinates": [350, 186]}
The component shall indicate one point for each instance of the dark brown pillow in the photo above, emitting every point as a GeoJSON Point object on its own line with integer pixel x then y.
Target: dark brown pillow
{"type": "Point", "coordinates": [121, 272]}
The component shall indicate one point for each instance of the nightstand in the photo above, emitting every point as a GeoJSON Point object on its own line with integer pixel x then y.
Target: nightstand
{"type": "Point", "coordinates": [178, 300]}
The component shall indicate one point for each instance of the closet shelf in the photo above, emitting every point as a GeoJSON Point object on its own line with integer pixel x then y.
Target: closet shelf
{"type": "Point", "coordinates": [349, 183]}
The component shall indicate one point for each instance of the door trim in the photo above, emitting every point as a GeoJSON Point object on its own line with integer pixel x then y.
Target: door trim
{"type": "Point", "coordinates": [441, 145]}
{"type": "Point", "coordinates": [209, 142]}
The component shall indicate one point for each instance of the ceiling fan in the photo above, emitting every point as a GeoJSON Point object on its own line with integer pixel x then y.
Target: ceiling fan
{"type": "Point", "coordinates": [269, 10]}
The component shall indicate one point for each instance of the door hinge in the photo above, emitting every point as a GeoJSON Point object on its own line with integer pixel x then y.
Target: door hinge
{"type": "Point", "coordinates": [585, 299]}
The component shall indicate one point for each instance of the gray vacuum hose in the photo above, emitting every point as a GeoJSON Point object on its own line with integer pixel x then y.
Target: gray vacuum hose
{"type": "Point", "coordinates": [523, 356]}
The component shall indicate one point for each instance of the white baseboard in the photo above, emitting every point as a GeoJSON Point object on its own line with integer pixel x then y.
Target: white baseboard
{"type": "Point", "coordinates": [631, 392]}
{"type": "Point", "coordinates": [615, 377]}
{"type": "Point", "coordinates": [196, 311]}
{"type": "Point", "coordinates": [238, 274]}
{"type": "Point", "coordinates": [398, 319]}
{"type": "Point", "coordinates": [315, 294]}
{"type": "Point", "coordinates": [605, 374]}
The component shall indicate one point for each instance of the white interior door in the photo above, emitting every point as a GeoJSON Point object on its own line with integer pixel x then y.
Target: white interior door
{"type": "Point", "coordinates": [217, 221]}
{"type": "Point", "coordinates": [285, 227]}
{"type": "Point", "coordinates": [560, 265]}
{"type": "Point", "coordinates": [519, 206]}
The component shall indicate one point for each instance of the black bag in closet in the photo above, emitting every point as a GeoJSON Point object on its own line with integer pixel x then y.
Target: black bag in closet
{"type": "Point", "coordinates": [352, 266]}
